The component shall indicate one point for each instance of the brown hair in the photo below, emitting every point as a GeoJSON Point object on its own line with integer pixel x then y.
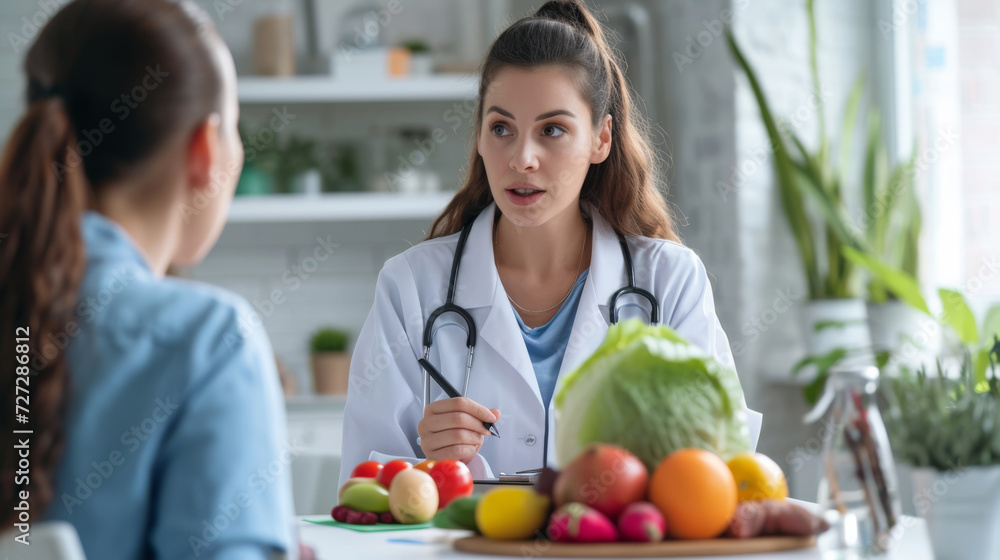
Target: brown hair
{"type": "Point", "coordinates": [623, 188]}
{"type": "Point", "coordinates": [109, 83]}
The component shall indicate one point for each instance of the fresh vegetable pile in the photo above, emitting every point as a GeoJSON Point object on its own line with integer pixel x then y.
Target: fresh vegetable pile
{"type": "Point", "coordinates": [648, 390]}
{"type": "Point", "coordinates": [399, 492]}
{"type": "Point", "coordinates": [607, 495]}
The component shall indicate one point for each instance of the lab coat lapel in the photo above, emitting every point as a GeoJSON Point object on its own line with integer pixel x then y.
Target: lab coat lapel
{"type": "Point", "coordinates": [503, 334]}
{"type": "Point", "coordinates": [479, 285]}
{"type": "Point", "coordinates": [606, 275]}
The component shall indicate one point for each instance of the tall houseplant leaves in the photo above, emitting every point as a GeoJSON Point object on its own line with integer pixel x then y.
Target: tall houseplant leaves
{"type": "Point", "coordinates": [892, 218]}
{"type": "Point", "coordinates": [898, 282]}
{"type": "Point", "coordinates": [958, 315]}
{"type": "Point", "coordinates": [809, 183]}
{"type": "Point", "coordinates": [791, 198]}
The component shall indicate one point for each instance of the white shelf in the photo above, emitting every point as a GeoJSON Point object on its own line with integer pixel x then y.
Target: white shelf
{"type": "Point", "coordinates": [325, 89]}
{"type": "Point", "coordinates": [343, 207]}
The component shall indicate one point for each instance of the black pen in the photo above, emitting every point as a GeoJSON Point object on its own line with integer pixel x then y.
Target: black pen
{"type": "Point", "coordinates": [449, 390]}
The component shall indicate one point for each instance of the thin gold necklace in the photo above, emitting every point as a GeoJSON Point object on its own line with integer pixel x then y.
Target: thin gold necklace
{"type": "Point", "coordinates": [571, 286]}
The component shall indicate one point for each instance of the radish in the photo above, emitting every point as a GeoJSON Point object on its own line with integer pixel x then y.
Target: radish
{"type": "Point", "coordinates": [575, 522]}
{"type": "Point", "coordinates": [642, 522]}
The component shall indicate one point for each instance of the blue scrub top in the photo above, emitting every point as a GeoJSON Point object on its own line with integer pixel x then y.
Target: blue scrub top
{"type": "Point", "coordinates": [175, 432]}
{"type": "Point", "coordinates": [547, 344]}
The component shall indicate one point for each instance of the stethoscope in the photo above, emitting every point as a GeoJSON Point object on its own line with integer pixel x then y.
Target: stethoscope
{"type": "Point", "coordinates": [470, 324]}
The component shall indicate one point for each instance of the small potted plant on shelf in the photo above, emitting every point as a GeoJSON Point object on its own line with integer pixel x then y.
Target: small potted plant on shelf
{"type": "Point", "coordinates": [421, 60]}
{"type": "Point", "coordinates": [299, 167]}
{"type": "Point", "coordinates": [255, 178]}
{"type": "Point", "coordinates": [330, 361]}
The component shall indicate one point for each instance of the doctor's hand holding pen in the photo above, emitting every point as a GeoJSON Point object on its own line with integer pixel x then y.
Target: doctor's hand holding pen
{"type": "Point", "coordinates": [454, 428]}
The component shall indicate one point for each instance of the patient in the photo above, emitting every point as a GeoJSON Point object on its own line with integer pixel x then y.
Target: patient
{"type": "Point", "coordinates": [158, 426]}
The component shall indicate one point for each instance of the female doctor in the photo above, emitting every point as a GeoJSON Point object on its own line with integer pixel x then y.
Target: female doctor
{"type": "Point", "coordinates": [561, 164]}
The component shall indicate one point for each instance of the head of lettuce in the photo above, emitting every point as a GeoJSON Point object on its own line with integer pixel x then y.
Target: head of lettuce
{"type": "Point", "coordinates": [648, 390]}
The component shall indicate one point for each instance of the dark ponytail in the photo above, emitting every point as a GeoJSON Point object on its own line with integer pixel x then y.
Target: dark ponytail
{"type": "Point", "coordinates": [69, 144]}
{"type": "Point", "coordinates": [625, 189]}
{"type": "Point", "coordinates": [43, 235]}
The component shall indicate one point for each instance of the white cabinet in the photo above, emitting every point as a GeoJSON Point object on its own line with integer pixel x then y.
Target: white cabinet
{"type": "Point", "coordinates": [315, 424]}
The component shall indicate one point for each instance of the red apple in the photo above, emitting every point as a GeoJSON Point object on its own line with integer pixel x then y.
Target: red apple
{"type": "Point", "coordinates": [604, 477]}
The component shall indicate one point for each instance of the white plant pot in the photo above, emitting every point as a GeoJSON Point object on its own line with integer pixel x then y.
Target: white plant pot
{"type": "Point", "coordinates": [422, 64]}
{"type": "Point", "coordinates": [911, 336]}
{"type": "Point", "coordinates": [962, 509]}
{"type": "Point", "coordinates": [308, 183]}
{"type": "Point", "coordinates": [835, 323]}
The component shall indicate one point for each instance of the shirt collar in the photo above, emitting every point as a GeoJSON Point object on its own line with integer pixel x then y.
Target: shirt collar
{"type": "Point", "coordinates": [105, 240]}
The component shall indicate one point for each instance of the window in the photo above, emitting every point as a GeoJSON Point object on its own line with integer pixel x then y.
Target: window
{"type": "Point", "coordinates": [947, 96]}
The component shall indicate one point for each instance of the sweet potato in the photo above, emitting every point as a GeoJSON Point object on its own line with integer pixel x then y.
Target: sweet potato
{"type": "Point", "coordinates": [774, 517]}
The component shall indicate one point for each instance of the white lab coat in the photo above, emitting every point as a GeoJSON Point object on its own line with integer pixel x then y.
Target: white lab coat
{"type": "Point", "coordinates": [384, 400]}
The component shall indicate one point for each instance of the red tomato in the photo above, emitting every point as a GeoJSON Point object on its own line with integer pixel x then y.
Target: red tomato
{"type": "Point", "coordinates": [453, 480]}
{"type": "Point", "coordinates": [368, 469]}
{"type": "Point", "coordinates": [391, 469]}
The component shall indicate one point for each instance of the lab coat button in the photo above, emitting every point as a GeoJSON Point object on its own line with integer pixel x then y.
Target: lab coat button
{"type": "Point", "coordinates": [530, 440]}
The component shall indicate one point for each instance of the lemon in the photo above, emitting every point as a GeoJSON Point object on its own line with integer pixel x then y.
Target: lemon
{"type": "Point", "coordinates": [757, 477]}
{"type": "Point", "coordinates": [511, 513]}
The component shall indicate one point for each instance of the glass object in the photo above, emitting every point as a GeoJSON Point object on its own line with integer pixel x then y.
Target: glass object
{"type": "Point", "coordinates": [857, 491]}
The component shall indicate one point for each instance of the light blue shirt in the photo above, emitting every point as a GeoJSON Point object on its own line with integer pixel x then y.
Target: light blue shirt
{"type": "Point", "coordinates": [547, 344]}
{"type": "Point", "coordinates": [175, 430]}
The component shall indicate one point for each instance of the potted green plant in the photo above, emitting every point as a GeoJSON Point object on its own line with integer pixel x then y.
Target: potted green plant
{"type": "Point", "coordinates": [331, 363]}
{"type": "Point", "coordinates": [811, 186]}
{"type": "Point", "coordinates": [299, 167]}
{"type": "Point", "coordinates": [947, 428]}
{"type": "Point", "coordinates": [956, 314]}
{"type": "Point", "coordinates": [254, 179]}
{"type": "Point", "coordinates": [421, 60]}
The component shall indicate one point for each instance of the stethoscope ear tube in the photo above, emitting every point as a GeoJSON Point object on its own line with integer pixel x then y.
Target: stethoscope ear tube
{"type": "Point", "coordinates": [449, 307]}
{"type": "Point", "coordinates": [449, 302]}
{"type": "Point", "coordinates": [654, 307]}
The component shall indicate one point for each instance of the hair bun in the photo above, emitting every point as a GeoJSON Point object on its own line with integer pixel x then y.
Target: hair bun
{"type": "Point", "coordinates": [566, 11]}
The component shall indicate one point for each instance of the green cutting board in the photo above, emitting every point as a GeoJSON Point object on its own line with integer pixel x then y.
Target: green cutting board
{"type": "Point", "coordinates": [376, 528]}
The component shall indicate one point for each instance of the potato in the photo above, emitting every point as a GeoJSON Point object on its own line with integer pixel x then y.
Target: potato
{"type": "Point", "coordinates": [413, 497]}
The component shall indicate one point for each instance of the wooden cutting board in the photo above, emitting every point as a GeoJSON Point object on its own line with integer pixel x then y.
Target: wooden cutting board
{"type": "Point", "coordinates": [664, 549]}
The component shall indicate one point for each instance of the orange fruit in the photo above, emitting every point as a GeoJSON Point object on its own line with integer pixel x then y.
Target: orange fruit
{"type": "Point", "coordinates": [757, 477]}
{"type": "Point", "coordinates": [696, 493]}
{"type": "Point", "coordinates": [425, 466]}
